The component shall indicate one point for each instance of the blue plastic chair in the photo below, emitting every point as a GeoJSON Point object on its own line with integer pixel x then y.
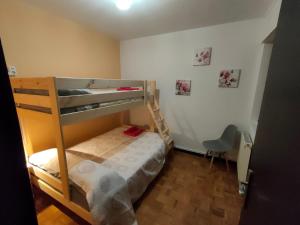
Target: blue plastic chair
{"type": "Point", "coordinates": [221, 146]}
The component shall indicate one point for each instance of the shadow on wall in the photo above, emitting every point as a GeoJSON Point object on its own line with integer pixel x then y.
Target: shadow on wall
{"type": "Point", "coordinates": [185, 131]}
{"type": "Point", "coordinates": [40, 134]}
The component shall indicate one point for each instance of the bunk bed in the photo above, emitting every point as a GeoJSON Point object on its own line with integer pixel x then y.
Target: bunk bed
{"type": "Point", "coordinates": [72, 100]}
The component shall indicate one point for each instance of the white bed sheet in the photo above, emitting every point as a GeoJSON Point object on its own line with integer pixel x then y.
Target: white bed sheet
{"type": "Point", "coordinates": [138, 160]}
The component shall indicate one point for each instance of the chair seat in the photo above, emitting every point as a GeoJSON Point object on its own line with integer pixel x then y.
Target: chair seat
{"type": "Point", "coordinates": [218, 146]}
{"type": "Point", "coordinates": [222, 145]}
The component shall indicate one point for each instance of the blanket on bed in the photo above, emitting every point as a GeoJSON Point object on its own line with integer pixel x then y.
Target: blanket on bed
{"type": "Point", "coordinates": [106, 193]}
{"type": "Point", "coordinates": [137, 160]}
{"type": "Point", "coordinates": [127, 163]}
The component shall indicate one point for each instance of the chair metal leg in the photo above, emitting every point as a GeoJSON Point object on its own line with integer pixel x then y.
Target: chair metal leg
{"type": "Point", "coordinates": [207, 152]}
{"type": "Point", "coordinates": [226, 160]}
{"type": "Point", "coordinates": [211, 162]}
{"type": "Point", "coordinates": [227, 164]}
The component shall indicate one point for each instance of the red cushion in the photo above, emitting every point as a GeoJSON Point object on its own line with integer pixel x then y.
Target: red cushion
{"type": "Point", "coordinates": [133, 131]}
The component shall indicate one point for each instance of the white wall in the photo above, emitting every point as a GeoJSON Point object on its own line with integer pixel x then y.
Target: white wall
{"type": "Point", "coordinates": [209, 109]}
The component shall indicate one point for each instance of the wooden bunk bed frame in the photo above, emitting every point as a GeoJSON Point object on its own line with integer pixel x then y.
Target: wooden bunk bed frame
{"type": "Point", "coordinates": [41, 95]}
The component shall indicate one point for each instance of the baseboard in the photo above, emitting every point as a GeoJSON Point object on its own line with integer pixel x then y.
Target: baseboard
{"type": "Point", "coordinates": [198, 151]}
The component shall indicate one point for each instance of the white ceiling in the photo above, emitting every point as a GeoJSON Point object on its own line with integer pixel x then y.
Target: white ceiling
{"type": "Point", "coordinates": [149, 17]}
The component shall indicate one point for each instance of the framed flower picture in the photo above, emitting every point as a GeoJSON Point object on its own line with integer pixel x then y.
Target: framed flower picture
{"type": "Point", "coordinates": [202, 57]}
{"type": "Point", "coordinates": [183, 87]}
{"type": "Point", "coordinates": [229, 78]}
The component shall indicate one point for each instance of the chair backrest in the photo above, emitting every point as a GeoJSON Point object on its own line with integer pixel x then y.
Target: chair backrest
{"type": "Point", "coordinates": [230, 135]}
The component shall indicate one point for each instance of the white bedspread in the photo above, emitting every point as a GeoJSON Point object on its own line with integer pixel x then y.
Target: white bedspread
{"type": "Point", "coordinates": [127, 164]}
{"type": "Point", "coordinates": [106, 193]}
{"type": "Point", "coordinates": [138, 161]}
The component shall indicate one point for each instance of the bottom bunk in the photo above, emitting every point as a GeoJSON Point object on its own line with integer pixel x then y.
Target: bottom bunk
{"type": "Point", "coordinates": [109, 172]}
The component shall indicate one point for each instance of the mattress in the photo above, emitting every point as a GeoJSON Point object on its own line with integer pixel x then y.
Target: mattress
{"type": "Point", "coordinates": [97, 105]}
{"type": "Point", "coordinates": [137, 159]}
{"type": "Point", "coordinates": [72, 92]}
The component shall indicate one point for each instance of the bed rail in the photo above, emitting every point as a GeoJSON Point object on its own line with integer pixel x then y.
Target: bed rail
{"type": "Point", "coordinates": [30, 83]}
{"type": "Point", "coordinates": [34, 94]}
{"type": "Point", "coordinates": [74, 117]}
{"type": "Point", "coordinates": [90, 83]}
{"type": "Point", "coordinates": [77, 100]}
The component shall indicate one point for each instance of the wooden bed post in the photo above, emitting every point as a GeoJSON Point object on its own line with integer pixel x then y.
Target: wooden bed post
{"type": "Point", "coordinates": [59, 138]}
{"type": "Point", "coordinates": [153, 88]}
{"type": "Point", "coordinates": [145, 92]}
{"type": "Point", "coordinates": [151, 97]}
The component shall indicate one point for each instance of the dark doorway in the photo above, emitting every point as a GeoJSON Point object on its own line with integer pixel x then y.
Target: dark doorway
{"type": "Point", "coordinates": [17, 206]}
{"type": "Point", "coordinates": [273, 196]}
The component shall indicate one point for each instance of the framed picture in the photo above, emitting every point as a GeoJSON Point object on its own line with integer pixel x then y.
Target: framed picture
{"type": "Point", "coordinates": [229, 78]}
{"type": "Point", "coordinates": [183, 87]}
{"type": "Point", "coordinates": [202, 57]}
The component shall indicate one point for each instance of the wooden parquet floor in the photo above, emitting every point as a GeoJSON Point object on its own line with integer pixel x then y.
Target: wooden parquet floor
{"type": "Point", "coordinates": [185, 193]}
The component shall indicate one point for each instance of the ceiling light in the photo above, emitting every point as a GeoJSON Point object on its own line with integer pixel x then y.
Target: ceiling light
{"type": "Point", "coordinates": [123, 4]}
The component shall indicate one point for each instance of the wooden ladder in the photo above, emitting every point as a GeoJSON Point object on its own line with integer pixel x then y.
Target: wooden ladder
{"type": "Point", "coordinates": [160, 123]}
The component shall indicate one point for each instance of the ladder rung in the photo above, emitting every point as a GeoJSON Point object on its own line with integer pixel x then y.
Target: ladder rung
{"type": "Point", "coordinates": [169, 140]}
{"type": "Point", "coordinates": [165, 131]}
{"type": "Point", "coordinates": [166, 136]}
{"type": "Point", "coordinates": [160, 124]}
{"type": "Point", "coordinates": [160, 119]}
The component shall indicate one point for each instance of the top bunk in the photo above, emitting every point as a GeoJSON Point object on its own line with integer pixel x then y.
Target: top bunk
{"type": "Point", "coordinates": [77, 99]}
